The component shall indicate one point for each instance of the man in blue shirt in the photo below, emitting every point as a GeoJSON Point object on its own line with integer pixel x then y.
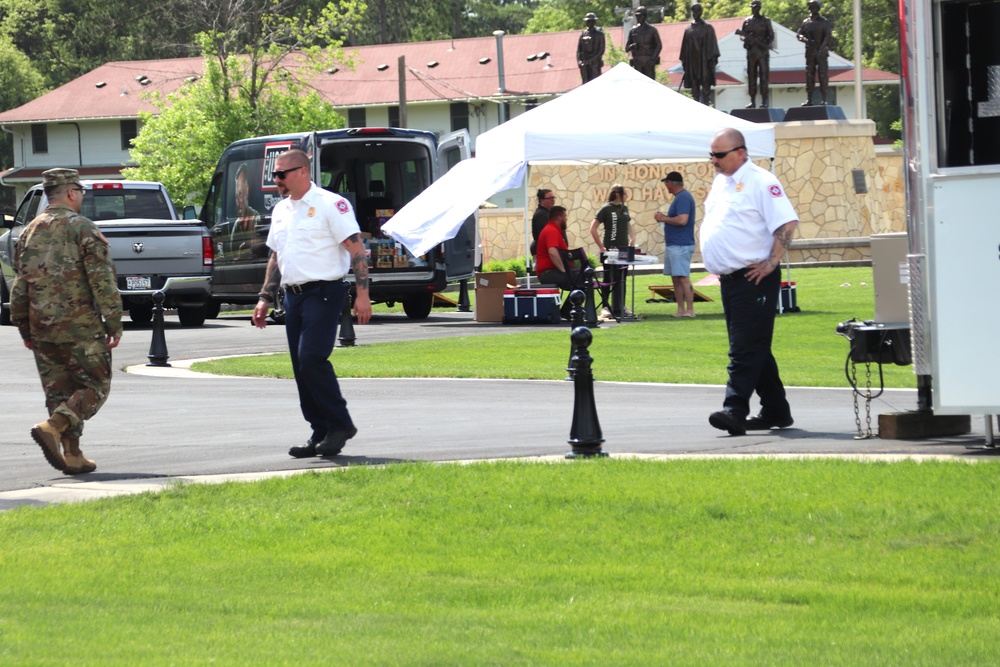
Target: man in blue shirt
{"type": "Point", "coordinates": [678, 228]}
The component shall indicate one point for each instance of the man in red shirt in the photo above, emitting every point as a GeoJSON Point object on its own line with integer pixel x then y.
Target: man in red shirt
{"type": "Point", "coordinates": [550, 266]}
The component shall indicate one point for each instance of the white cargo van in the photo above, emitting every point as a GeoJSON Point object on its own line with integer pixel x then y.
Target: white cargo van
{"type": "Point", "coordinates": [378, 170]}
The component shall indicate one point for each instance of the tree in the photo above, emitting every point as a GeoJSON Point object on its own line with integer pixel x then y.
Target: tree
{"type": "Point", "coordinates": [256, 82]}
{"type": "Point", "coordinates": [20, 82]}
{"type": "Point", "coordinates": [67, 38]}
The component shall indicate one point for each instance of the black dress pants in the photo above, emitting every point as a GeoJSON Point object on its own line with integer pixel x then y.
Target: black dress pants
{"type": "Point", "coordinates": [750, 310]}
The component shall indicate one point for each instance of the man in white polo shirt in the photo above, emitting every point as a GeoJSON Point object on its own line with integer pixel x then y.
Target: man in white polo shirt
{"type": "Point", "coordinates": [314, 240]}
{"type": "Point", "coordinates": [749, 223]}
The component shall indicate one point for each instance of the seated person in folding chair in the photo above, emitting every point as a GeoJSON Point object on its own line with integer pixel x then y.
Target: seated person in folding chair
{"type": "Point", "coordinates": [618, 233]}
{"type": "Point", "coordinates": [553, 256]}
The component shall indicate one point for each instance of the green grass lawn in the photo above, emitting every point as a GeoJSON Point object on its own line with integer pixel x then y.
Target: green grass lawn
{"type": "Point", "coordinates": [660, 348]}
{"type": "Point", "coordinates": [603, 562]}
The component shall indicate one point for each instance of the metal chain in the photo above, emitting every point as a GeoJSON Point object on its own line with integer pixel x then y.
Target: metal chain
{"type": "Point", "coordinates": [862, 434]}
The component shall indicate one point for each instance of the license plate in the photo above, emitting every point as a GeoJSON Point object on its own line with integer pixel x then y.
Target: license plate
{"type": "Point", "coordinates": [138, 282]}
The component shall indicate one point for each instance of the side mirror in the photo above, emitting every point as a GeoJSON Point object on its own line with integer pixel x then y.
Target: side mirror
{"type": "Point", "coordinates": [8, 221]}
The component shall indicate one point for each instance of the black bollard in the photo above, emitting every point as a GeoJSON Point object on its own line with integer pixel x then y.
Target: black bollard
{"type": "Point", "coordinates": [463, 296]}
{"type": "Point", "coordinates": [590, 309]}
{"type": "Point", "coordinates": [576, 298]}
{"type": "Point", "coordinates": [158, 345]}
{"type": "Point", "coordinates": [585, 435]}
{"type": "Point", "coordinates": [347, 323]}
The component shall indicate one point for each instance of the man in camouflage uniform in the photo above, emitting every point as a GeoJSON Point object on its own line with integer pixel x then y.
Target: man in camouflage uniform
{"type": "Point", "coordinates": [66, 305]}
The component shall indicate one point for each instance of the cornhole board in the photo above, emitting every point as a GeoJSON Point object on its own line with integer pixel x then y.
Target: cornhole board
{"type": "Point", "coordinates": [667, 292]}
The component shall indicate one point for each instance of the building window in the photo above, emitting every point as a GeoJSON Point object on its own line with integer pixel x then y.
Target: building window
{"type": "Point", "coordinates": [129, 130]}
{"type": "Point", "coordinates": [393, 116]}
{"type": "Point", "coordinates": [357, 118]}
{"type": "Point", "coordinates": [459, 116]}
{"type": "Point", "coordinates": [39, 139]}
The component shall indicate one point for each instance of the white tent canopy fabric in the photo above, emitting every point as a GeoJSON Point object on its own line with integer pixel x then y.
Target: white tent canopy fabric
{"type": "Point", "coordinates": [620, 115]}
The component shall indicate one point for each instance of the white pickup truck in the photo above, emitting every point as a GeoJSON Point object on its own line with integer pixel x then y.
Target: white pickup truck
{"type": "Point", "coordinates": [152, 248]}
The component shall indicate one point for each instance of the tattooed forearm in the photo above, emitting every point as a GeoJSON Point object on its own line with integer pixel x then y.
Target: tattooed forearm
{"type": "Point", "coordinates": [359, 264]}
{"type": "Point", "coordinates": [272, 276]}
{"type": "Point", "coordinates": [359, 260]}
{"type": "Point", "coordinates": [785, 233]}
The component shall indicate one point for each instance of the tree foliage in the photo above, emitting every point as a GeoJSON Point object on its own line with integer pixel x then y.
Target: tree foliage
{"type": "Point", "coordinates": [255, 83]}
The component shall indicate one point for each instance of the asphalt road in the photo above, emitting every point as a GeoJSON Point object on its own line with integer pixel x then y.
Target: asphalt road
{"type": "Point", "coordinates": [159, 425]}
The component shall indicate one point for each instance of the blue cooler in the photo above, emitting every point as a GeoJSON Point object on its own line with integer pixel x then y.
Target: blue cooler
{"type": "Point", "coordinates": [531, 306]}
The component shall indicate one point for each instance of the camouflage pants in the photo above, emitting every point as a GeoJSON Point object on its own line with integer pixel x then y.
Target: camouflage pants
{"type": "Point", "coordinates": [76, 379]}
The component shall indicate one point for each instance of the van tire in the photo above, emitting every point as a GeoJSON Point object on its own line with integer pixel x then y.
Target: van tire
{"type": "Point", "coordinates": [418, 306]}
{"type": "Point", "coordinates": [4, 304]}
{"type": "Point", "coordinates": [191, 316]}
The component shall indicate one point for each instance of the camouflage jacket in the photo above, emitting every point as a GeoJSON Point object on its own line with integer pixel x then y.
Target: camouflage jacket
{"type": "Point", "coordinates": [65, 289]}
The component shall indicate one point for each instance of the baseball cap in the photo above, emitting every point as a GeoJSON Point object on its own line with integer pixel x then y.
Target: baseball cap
{"type": "Point", "coordinates": [674, 177]}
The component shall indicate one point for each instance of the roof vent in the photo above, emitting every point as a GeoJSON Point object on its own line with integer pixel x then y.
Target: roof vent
{"type": "Point", "coordinates": [100, 84]}
{"type": "Point", "coordinates": [333, 70]}
{"type": "Point", "coordinates": [533, 57]}
{"type": "Point", "coordinates": [383, 67]}
{"type": "Point", "coordinates": [433, 63]}
{"type": "Point", "coordinates": [484, 61]}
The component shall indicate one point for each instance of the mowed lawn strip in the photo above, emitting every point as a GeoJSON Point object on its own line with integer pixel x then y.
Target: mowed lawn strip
{"type": "Point", "coordinates": [660, 348]}
{"type": "Point", "coordinates": [750, 562]}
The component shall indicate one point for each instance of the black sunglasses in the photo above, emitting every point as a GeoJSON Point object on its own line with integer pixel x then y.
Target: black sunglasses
{"type": "Point", "coordinates": [722, 154]}
{"type": "Point", "coordinates": [281, 173]}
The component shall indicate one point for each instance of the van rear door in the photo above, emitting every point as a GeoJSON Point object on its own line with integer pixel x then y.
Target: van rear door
{"type": "Point", "coordinates": [459, 252]}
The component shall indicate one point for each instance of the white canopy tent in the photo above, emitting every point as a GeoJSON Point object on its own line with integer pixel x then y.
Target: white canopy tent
{"type": "Point", "coordinates": [620, 115]}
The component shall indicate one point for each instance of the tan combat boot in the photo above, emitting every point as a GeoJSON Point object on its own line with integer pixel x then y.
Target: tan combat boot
{"type": "Point", "coordinates": [76, 463]}
{"type": "Point", "coordinates": [48, 435]}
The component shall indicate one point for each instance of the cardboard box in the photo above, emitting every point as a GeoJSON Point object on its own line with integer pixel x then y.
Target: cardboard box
{"type": "Point", "coordinates": [489, 294]}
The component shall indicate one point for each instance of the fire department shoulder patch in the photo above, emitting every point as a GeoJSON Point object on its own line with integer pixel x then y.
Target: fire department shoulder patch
{"type": "Point", "coordinates": [775, 190]}
{"type": "Point", "coordinates": [342, 206]}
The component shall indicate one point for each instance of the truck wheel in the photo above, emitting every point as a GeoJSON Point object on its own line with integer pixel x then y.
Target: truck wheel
{"type": "Point", "coordinates": [141, 313]}
{"type": "Point", "coordinates": [4, 304]}
{"type": "Point", "coordinates": [212, 309]}
{"type": "Point", "coordinates": [191, 316]}
{"type": "Point", "coordinates": [418, 306]}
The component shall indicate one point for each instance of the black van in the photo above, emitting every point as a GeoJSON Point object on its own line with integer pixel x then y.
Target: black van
{"type": "Point", "coordinates": [378, 170]}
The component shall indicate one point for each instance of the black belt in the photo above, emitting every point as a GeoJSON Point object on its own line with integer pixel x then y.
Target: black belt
{"type": "Point", "coordinates": [735, 274]}
{"type": "Point", "coordinates": [303, 287]}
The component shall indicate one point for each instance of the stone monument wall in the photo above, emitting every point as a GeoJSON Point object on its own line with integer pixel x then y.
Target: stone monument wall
{"type": "Point", "coordinates": [819, 162]}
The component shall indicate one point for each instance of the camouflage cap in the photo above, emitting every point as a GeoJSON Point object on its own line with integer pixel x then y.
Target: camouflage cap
{"type": "Point", "coordinates": [59, 176]}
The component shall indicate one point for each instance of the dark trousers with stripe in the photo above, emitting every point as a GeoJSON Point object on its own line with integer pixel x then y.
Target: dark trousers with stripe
{"type": "Point", "coordinates": [311, 320]}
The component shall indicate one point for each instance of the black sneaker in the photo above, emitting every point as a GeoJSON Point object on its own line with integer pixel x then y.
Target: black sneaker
{"type": "Point", "coordinates": [726, 420]}
{"type": "Point", "coordinates": [762, 423]}
{"type": "Point", "coordinates": [335, 441]}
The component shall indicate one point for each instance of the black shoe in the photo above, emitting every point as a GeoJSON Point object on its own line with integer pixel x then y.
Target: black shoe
{"type": "Point", "coordinates": [762, 423]}
{"type": "Point", "coordinates": [335, 441]}
{"type": "Point", "coordinates": [304, 452]}
{"type": "Point", "coordinates": [726, 420]}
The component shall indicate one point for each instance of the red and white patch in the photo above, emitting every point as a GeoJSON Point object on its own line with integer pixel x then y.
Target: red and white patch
{"type": "Point", "coordinates": [342, 206]}
{"type": "Point", "coordinates": [775, 191]}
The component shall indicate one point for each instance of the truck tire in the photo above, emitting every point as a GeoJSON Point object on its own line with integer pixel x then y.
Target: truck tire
{"type": "Point", "coordinates": [141, 313]}
{"type": "Point", "coordinates": [4, 304]}
{"type": "Point", "coordinates": [212, 309]}
{"type": "Point", "coordinates": [418, 306]}
{"type": "Point", "coordinates": [191, 316]}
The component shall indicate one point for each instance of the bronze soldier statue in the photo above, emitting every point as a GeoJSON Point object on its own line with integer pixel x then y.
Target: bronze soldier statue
{"type": "Point", "coordinates": [644, 45]}
{"type": "Point", "coordinates": [817, 34]}
{"type": "Point", "coordinates": [699, 56]}
{"type": "Point", "coordinates": [758, 39]}
{"type": "Point", "coordinates": [66, 306]}
{"type": "Point", "coordinates": [590, 49]}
